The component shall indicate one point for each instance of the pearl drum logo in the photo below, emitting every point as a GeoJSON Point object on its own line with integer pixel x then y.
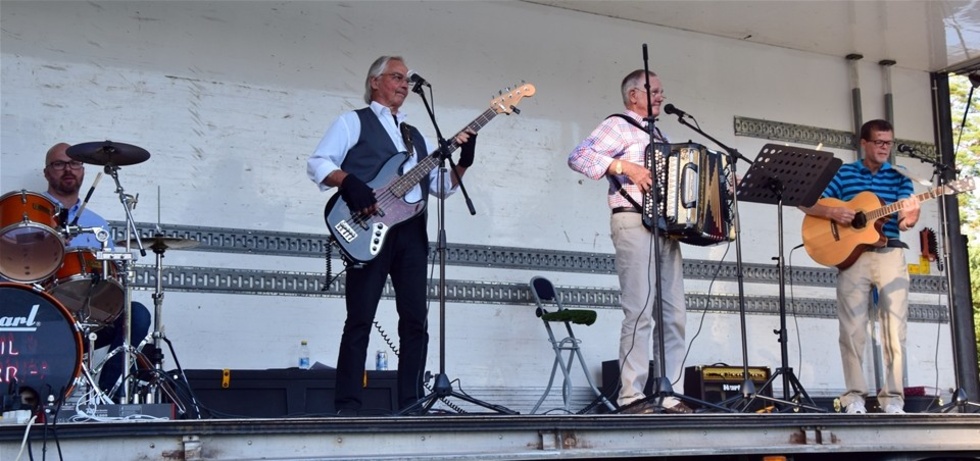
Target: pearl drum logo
{"type": "Point", "coordinates": [21, 323]}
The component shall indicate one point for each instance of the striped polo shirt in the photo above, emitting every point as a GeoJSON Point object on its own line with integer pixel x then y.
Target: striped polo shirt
{"type": "Point", "coordinates": [888, 184]}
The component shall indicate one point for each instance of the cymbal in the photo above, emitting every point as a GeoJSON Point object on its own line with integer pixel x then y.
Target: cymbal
{"type": "Point", "coordinates": [108, 152]}
{"type": "Point", "coordinates": [161, 243]}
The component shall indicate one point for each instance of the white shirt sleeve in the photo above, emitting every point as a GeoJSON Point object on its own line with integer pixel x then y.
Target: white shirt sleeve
{"type": "Point", "coordinates": [332, 150]}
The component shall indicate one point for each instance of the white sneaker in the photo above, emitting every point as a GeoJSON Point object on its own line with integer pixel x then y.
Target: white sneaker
{"type": "Point", "coordinates": [894, 409]}
{"type": "Point", "coordinates": [855, 408]}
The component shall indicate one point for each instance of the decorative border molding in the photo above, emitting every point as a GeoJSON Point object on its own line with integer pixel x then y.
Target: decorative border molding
{"type": "Point", "coordinates": [289, 283]}
{"type": "Point", "coordinates": [810, 135]}
{"type": "Point", "coordinates": [270, 243]}
{"type": "Point", "coordinates": [284, 283]}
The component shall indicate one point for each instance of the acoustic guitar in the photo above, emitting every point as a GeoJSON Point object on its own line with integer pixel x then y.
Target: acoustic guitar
{"type": "Point", "coordinates": [837, 245]}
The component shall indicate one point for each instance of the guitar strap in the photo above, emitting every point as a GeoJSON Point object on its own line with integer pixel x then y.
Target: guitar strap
{"type": "Point", "coordinates": [614, 180]}
{"type": "Point", "coordinates": [406, 130]}
{"type": "Point", "coordinates": [407, 136]}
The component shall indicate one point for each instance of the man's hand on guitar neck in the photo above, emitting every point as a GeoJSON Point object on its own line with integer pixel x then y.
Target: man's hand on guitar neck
{"type": "Point", "coordinates": [909, 214]}
{"type": "Point", "coordinates": [466, 140]}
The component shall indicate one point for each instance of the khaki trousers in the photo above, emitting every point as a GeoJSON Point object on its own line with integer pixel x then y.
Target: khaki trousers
{"type": "Point", "coordinates": [885, 269]}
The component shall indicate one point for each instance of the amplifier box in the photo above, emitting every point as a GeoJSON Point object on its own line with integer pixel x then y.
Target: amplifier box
{"type": "Point", "coordinates": [287, 392]}
{"type": "Point", "coordinates": [716, 383]}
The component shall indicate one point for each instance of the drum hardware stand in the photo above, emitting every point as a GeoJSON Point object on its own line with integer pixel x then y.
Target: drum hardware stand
{"type": "Point", "coordinates": [160, 245]}
{"type": "Point", "coordinates": [786, 176]}
{"type": "Point", "coordinates": [129, 203]}
{"type": "Point", "coordinates": [747, 392]}
{"type": "Point", "coordinates": [87, 379]}
{"type": "Point", "coordinates": [106, 256]}
{"type": "Point", "coordinates": [111, 156]}
{"type": "Point", "coordinates": [442, 387]}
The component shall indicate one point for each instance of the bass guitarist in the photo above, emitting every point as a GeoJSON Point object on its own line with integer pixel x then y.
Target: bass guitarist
{"type": "Point", "coordinates": [881, 268]}
{"type": "Point", "coordinates": [350, 155]}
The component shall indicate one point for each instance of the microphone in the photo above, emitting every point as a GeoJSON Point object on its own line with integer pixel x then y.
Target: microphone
{"type": "Point", "coordinates": [416, 79]}
{"type": "Point", "coordinates": [671, 110]}
{"type": "Point", "coordinates": [906, 148]}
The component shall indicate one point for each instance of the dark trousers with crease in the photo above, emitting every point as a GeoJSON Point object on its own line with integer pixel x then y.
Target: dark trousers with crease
{"type": "Point", "coordinates": [404, 258]}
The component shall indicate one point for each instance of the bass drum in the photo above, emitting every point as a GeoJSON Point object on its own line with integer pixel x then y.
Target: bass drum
{"type": "Point", "coordinates": [40, 345]}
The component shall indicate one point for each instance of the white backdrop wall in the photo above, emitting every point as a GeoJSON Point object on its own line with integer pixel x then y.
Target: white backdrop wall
{"type": "Point", "coordinates": [231, 97]}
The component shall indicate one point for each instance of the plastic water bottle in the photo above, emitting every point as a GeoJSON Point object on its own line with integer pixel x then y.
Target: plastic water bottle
{"type": "Point", "coordinates": [304, 355]}
{"type": "Point", "coordinates": [381, 361]}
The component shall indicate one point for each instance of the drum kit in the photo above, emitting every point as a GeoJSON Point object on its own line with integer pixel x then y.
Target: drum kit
{"type": "Point", "coordinates": [53, 297]}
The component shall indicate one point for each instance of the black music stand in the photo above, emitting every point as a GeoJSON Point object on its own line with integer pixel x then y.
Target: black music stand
{"type": "Point", "coordinates": [787, 176]}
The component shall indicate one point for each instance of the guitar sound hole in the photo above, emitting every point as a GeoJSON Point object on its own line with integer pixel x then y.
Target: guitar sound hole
{"type": "Point", "coordinates": [860, 220]}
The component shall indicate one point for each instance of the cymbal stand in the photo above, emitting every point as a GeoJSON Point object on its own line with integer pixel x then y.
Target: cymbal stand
{"type": "Point", "coordinates": [157, 334]}
{"type": "Point", "coordinates": [125, 257]}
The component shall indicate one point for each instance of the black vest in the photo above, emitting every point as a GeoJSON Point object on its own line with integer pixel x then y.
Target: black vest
{"type": "Point", "coordinates": [374, 148]}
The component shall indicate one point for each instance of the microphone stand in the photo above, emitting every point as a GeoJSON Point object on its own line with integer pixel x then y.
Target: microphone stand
{"type": "Point", "coordinates": [443, 386]}
{"type": "Point", "coordinates": [942, 172]}
{"type": "Point", "coordinates": [661, 387]}
{"type": "Point", "coordinates": [747, 390]}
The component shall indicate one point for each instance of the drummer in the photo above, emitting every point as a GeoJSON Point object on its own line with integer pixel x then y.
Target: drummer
{"type": "Point", "coordinates": [65, 177]}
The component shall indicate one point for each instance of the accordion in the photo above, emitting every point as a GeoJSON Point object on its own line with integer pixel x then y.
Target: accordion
{"type": "Point", "coordinates": [695, 187]}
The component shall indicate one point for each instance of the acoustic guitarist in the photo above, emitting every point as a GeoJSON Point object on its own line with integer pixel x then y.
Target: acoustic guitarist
{"type": "Point", "coordinates": [352, 151]}
{"type": "Point", "coordinates": [882, 268]}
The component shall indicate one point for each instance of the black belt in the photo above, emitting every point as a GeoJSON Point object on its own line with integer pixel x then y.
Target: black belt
{"type": "Point", "coordinates": [625, 209]}
{"type": "Point", "coordinates": [888, 246]}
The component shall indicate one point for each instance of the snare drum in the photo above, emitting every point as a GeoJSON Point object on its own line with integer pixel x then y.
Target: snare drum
{"type": "Point", "coordinates": [83, 290]}
{"type": "Point", "coordinates": [40, 344]}
{"type": "Point", "coordinates": [31, 247]}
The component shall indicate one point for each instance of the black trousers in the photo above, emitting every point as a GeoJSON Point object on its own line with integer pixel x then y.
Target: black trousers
{"type": "Point", "coordinates": [404, 258]}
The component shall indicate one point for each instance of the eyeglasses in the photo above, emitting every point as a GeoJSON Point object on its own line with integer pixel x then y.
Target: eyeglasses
{"type": "Point", "coordinates": [654, 93]}
{"type": "Point", "coordinates": [881, 143]}
{"type": "Point", "coordinates": [61, 165]}
{"type": "Point", "coordinates": [396, 76]}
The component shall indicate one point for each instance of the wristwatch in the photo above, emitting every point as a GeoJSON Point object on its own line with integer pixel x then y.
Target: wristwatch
{"type": "Point", "coordinates": [619, 167]}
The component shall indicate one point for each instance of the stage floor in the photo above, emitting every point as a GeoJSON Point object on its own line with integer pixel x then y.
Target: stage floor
{"type": "Point", "coordinates": [509, 437]}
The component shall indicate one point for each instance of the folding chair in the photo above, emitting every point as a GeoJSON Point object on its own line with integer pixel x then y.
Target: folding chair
{"type": "Point", "coordinates": [544, 294]}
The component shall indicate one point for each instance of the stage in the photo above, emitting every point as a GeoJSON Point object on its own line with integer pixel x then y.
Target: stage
{"type": "Point", "coordinates": [519, 437]}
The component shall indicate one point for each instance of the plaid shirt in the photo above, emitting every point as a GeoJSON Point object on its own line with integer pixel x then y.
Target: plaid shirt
{"type": "Point", "coordinates": [613, 139]}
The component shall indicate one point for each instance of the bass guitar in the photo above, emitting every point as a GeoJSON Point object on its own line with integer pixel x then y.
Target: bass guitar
{"type": "Point", "coordinates": [839, 246]}
{"type": "Point", "coordinates": [362, 237]}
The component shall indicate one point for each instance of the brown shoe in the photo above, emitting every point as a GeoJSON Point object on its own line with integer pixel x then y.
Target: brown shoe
{"type": "Point", "coordinates": [679, 409]}
{"type": "Point", "coordinates": [638, 408]}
